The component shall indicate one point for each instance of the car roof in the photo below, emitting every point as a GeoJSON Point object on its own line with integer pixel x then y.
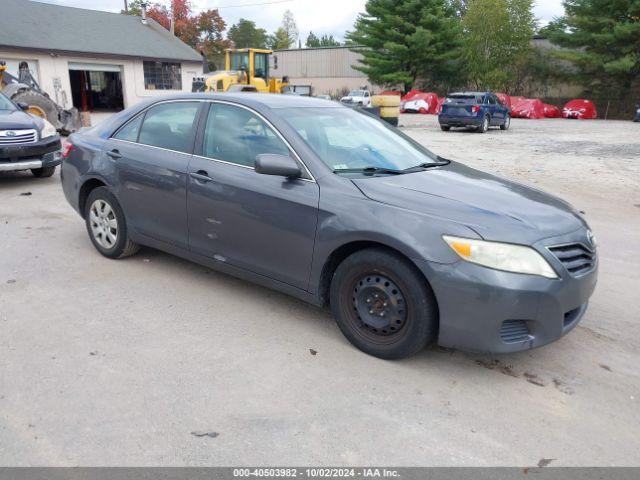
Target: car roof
{"type": "Point", "coordinates": [468, 93]}
{"type": "Point", "coordinates": [251, 99]}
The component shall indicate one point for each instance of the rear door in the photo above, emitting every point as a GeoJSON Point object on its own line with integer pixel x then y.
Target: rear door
{"type": "Point", "coordinates": [150, 155]}
{"type": "Point", "coordinates": [262, 223]}
{"type": "Point", "coordinates": [494, 109]}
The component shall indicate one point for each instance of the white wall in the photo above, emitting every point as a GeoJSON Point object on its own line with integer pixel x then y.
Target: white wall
{"type": "Point", "coordinates": [52, 67]}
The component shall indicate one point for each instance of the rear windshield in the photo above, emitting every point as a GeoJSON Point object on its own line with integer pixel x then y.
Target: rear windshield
{"type": "Point", "coordinates": [460, 98]}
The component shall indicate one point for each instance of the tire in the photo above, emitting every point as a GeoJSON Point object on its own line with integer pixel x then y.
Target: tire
{"type": "Point", "coordinates": [43, 172]}
{"type": "Point", "coordinates": [507, 122]}
{"type": "Point", "coordinates": [43, 104]}
{"type": "Point", "coordinates": [485, 125]}
{"type": "Point", "coordinates": [376, 320]}
{"type": "Point", "coordinates": [445, 128]}
{"type": "Point", "coordinates": [116, 243]}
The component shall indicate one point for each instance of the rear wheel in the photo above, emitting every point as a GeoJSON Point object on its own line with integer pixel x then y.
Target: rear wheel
{"type": "Point", "coordinates": [107, 226]}
{"type": "Point", "coordinates": [43, 172]}
{"type": "Point", "coordinates": [383, 305]}
{"type": "Point", "coordinates": [484, 126]}
{"type": "Point", "coordinates": [445, 128]}
{"type": "Point", "coordinates": [507, 122]}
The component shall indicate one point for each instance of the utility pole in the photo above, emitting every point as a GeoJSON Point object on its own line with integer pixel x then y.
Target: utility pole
{"type": "Point", "coordinates": [126, 7]}
{"type": "Point", "coordinates": [172, 18]}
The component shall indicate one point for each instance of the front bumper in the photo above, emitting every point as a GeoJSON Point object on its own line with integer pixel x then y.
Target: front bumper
{"type": "Point", "coordinates": [45, 153]}
{"type": "Point", "coordinates": [459, 121]}
{"type": "Point", "coordinates": [491, 311]}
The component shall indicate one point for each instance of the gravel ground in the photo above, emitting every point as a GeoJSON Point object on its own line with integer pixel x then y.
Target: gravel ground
{"type": "Point", "coordinates": [153, 360]}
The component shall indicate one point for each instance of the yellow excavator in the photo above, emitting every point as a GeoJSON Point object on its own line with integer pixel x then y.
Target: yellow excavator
{"type": "Point", "coordinates": [25, 89]}
{"type": "Point", "coordinates": [246, 70]}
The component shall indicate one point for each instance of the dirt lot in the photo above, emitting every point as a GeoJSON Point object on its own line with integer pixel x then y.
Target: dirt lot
{"type": "Point", "coordinates": [153, 360]}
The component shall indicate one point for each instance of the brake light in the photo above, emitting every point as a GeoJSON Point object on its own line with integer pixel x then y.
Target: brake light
{"type": "Point", "coordinates": [475, 108]}
{"type": "Point", "coordinates": [66, 149]}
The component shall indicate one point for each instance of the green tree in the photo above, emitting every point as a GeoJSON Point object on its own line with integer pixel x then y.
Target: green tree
{"type": "Point", "coordinates": [245, 34]}
{"type": "Point", "coordinates": [407, 40]}
{"type": "Point", "coordinates": [497, 41]}
{"type": "Point", "coordinates": [602, 40]}
{"type": "Point", "coordinates": [287, 35]}
{"type": "Point", "coordinates": [325, 41]}
{"type": "Point", "coordinates": [312, 41]}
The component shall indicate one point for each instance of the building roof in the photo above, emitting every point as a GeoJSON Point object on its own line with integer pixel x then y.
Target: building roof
{"type": "Point", "coordinates": [43, 26]}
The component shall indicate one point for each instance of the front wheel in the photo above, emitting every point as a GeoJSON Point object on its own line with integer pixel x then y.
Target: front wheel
{"type": "Point", "coordinates": [107, 226]}
{"type": "Point", "coordinates": [507, 122]}
{"type": "Point", "coordinates": [383, 305]}
{"type": "Point", "coordinates": [445, 128]}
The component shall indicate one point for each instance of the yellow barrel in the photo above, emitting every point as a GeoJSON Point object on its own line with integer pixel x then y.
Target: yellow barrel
{"type": "Point", "coordinates": [385, 100]}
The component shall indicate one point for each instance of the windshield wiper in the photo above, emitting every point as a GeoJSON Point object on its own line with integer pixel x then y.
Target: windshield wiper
{"type": "Point", "coordinates": [370, 170]}
{"type": "Point", "coordinates": [423, 166]}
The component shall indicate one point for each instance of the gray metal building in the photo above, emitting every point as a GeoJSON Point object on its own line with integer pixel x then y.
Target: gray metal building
{"type": "Point", "coordinates": [327, 69]}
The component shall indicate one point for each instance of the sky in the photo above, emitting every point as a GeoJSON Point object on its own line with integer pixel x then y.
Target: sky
{"type": "Point", "coordinates": [332, 17]}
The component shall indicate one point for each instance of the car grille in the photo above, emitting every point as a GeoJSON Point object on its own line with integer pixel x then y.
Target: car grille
{"type": "Point", "coordinates": [575, 257]}
{"type": "Point", "coordinates": [513, 331]}
{"type": "Point", "coordinates": [17, 137]}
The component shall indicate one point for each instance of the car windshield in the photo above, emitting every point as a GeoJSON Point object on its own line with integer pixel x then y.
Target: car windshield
{"type": "Point", "coordinates": [345, 139]}
{"type": "Point", "coordinates": [5, 103]}
{"type": "Point", "coordinates": [356, 93]}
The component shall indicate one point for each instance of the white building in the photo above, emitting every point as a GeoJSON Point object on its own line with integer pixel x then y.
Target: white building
{"type": "Point", "coordinates": [91, 59]}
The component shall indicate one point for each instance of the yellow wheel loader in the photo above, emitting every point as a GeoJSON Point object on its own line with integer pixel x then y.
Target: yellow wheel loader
{"type": "Point", "coordinates": [246, 70]}
{"type": "Point", "coordinates": [25, 89]}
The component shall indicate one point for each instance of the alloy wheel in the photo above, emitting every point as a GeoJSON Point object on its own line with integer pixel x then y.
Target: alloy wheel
{"type": "Point", "coordinates": [104, 224]}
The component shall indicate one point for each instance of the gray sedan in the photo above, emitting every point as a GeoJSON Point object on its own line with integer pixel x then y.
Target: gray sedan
{"type": "Point", "coordinates": [341, 210]}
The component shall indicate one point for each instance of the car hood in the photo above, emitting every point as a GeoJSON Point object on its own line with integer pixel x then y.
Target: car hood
{"type": "Point", "coordinates": [497, 209]}
{"type": "Point", "coordinates": [17, 120]}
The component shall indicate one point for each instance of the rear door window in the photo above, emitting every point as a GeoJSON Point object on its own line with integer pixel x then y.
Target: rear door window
{"type": "Point", "coordinates": [130, 131]}
{"type": "Point", "coordinates": [236, 135]}
{"type": "Point", "coordinates": [170, 126]}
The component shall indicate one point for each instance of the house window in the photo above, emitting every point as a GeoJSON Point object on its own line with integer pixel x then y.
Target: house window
{"type": "Point", "coordinates": [162, 76]}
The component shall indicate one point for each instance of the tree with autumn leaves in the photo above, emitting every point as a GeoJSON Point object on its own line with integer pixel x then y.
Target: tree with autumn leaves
{"type": "Point", "coordinates": [202, 31]}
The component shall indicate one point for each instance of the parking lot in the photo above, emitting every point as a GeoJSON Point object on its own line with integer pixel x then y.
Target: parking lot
{"type": "Point", "coordinates": [153, 360]}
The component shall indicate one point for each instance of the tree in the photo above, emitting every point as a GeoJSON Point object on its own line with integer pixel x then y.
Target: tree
{"type": "Point", "coordinates": [312, 41]}
{"type": "Point", "coordinates": [407, 40]}
{"type": "Point", "coordinates": [324, 41]}
{"type": "Point", "coordinates": [245, 34]}
{"type": "Point", "coordinates": [602, 40]}
{"type": "Point", "coordinates": [201, 31]}
{"type": "Point", "coordinates": [287, 35]}
{"type": "Point", "coordinates": [494, 50]}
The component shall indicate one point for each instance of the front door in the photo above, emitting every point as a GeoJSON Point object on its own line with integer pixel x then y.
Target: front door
{"type": "Point", "coordinates": [150, 155]}
{"type": "Point", "coordinates": [261, 223]}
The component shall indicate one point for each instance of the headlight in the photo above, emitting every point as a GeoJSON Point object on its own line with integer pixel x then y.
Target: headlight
{"type": "Point", "coordinates": [48, 130]}
{"type": "Point", "coordinates": [501, 256]}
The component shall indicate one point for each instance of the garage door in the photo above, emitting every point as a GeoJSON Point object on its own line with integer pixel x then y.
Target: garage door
{"type": "Point", "coordinates": [94, 67]}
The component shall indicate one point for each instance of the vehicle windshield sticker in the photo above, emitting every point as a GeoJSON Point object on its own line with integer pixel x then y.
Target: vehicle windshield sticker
{"type": "Point", "coordinates": [340, 166]}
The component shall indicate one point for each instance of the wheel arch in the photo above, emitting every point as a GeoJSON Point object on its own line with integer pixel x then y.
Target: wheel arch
{"type": "Point", "coordinates": [337, 256]}
{"type": "Point", "coordinates": [85, 190]}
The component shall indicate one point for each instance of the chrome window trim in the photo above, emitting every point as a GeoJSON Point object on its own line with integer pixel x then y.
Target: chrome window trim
{"type": "Point", "coordinates": [286, 142]}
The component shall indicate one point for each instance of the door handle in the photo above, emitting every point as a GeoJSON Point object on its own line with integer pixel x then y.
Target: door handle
{"type": "Point", "coordinates": [115, 154]}
{"type": "Point", "coordinates": [201, 176]}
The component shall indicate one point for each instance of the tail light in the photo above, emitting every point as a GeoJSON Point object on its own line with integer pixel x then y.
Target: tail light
{"type": "Point", "coordinates": [66, 149]}
{"type": "Point", "coordinates": [475, 108]}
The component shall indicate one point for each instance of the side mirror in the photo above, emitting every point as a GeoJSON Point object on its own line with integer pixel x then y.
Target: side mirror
{"type": "Point", "coordinates": [274, 164]}
{"type": "Point", "coordinates": [23, 106]}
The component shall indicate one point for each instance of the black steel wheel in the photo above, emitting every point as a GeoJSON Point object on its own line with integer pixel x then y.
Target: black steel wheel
{"type": "Point", "coordinates": [382, 304]}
